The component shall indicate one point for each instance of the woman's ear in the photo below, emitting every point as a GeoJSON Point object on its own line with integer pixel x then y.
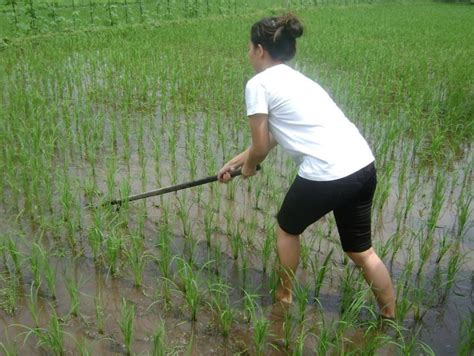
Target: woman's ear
{"type": "Point", "coordinates": [260, 50]}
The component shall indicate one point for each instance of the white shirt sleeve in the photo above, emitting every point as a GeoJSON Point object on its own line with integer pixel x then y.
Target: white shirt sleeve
{"type": "Point", "coordinates": [255, 98]}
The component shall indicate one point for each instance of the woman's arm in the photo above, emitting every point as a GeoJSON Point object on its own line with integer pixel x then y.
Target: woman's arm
{"type": "Point", "coordinates": [262, 143]}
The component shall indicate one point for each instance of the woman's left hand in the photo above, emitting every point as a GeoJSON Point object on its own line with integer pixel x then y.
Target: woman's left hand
{"type": "Point", "coordinates": [248, 171]}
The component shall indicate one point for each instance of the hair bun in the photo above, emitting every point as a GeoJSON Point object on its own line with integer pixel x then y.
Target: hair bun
{"type": "Point", "coordinates": [292, 25]}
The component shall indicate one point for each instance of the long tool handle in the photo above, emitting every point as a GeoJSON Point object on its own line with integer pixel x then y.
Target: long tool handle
{"type": "Point", "coordinates": [173, 188]}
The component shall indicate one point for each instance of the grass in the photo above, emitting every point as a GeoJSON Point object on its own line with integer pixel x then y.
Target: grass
{"type": "Point", "coordinates": [97, 113]}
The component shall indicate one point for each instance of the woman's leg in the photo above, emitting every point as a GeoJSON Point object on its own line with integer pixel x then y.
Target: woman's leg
{"type": "Point", "coordinates": [288, 248]}
{"type": "Point", "coordinates": [377, 276]}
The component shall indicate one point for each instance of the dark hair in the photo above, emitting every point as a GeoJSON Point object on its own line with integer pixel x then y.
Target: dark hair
{"type": "Point", "coordinates": [277, 35]}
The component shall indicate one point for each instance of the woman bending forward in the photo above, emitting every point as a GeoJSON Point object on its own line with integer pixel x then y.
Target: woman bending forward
{"type": "Point", "coordinates": [336, 166]}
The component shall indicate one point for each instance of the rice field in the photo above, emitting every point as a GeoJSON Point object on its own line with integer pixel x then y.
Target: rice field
{"type": "Point", "coordinates": [102, 113]}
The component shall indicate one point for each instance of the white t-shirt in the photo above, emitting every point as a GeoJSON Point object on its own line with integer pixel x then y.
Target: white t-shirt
{"type": "Point", "coordinates": [307, 123]}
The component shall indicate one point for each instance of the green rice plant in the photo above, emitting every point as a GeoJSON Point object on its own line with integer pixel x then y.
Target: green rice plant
{"type": "Point", "coordinates": [172, 145]}
{"type": "Point", "coordinates": [437, 201]}
{"type": "Point", "coordinates": [231, 189]}
{"type": "Point", "coordinates": [353, 308]}
{"type": "Point", "coordinates": [320, 273]}
{"type": "Point", "coordinates": [289, 328]}
{"type": "Point", "coordinates": [300, 342]}
{"type": "Point", "coordinates": [220, 305]}
{"type": "Point", "coordinates": [274, 281]}
{"type": "Point", "coordinates": [245, 266]}
{"type": "Point", "coordinates": [463, 208]}
{"type": "Point", "coordinates": [36, 263]}
{"type": "Point", "coordinates": [189, 287]}
{"type": "Point", "coordinates": [411, 345]}
{"type": "Point", "coordinates": [419, 309]}
{"type": "Point", "coordinates": [113, 248]}
{"type": "Point", "coordinates": [164, 246]}
{"type": "Point", "coordinates": [301, 292]}
{"type": "Point", "coordinates": [136, 259]}
{"type": "Point", "coordinates": [466, 346]}
{"type": "Point", "coordinates": [73, 291]}
{"type": "Point", "coordinates": [229, 222]}
{"type": "Point", "coordinates": [84, 348]}
{"type": "Point", "coordinates": [157, 152]}
{"type": "Point", "coordinates": [159, 340]}
{"type": "Point", "coordinates": [305, 254]}
{"type": "Point", "coordinates": [9, 294]}
{"type": "Point", "coordinates": [14, 253]}
{"type": "Point", "coordinates": [95, 234]}
{"type": "Point", "coordinates": [412, 191]}
{"type": "Point", "coordinates": [444, 246]}
{"type": "Point", "coordinates": [260, 333]}
{"type": "Point", "coordinates": [209, 217]}
{"type": "Point", "coordinates": [124, 193]}
{"type": "Point", "coordinates": [50, 339]}
{"type": "Point", "coordinates": [111, 164]}
{"type": "Point", "coordinates": [99, 312]}
{"type": "Point", "coordinates": [165, 292]}
{"type": "Point", "coordinates": [126, 321]}
{"type": "Point", "coordinates": [235, 242]}
{"type": "Point", "coordinates": [454, 265]}
{"type": "Point", "coordinates": [183, 214]}
{"type": "Point", "coordinates": [324, 340]}
{"type": "Point", "coordinates": [9, 349]}
{"type": "Point", "coordinates": [268, 245]}
{"type": "Point", "coordinates": [32, 304]}
{"type": "Point", "coordinates": [250, 304]}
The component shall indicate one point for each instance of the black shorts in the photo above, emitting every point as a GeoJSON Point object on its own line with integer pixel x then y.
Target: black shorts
{"type": "Point", "coordinates": [350, 198]}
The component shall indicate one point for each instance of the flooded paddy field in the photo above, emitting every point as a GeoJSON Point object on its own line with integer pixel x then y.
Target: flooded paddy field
{"type": "Point", "coordinates": [89, 117]}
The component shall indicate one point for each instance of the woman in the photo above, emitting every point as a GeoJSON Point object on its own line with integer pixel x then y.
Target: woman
{"type": "Point", "coordinates": [336, 166]}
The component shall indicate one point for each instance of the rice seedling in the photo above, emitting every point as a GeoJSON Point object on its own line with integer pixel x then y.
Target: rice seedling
{"type": "Point", "coordinates": [99, 309]}
{"type": "Point", "coordinates": [289, 328]}
{"type": "Point", "coordinates": [463, 212]}
{"type": "Point", "coordinates": [250, 304]}
{"type": "Point", "coordinates": [73, 291]}
{"type": "Point", "coordinates": [324, 340]}
{"type": "Point", "coordinates": [260, 332]}
{"type": "Point", "coordinates": [159, 340]}
{"type": "Point", "coordinates": [113, 248]}
{"type": "Point", "coordinates": [9, 349]}
{"type": "Point", "coordinates": [15, 255]}
{"type": "Point", "coordinates": [32, 304]}
{"type": "Point", "coordinates": [268, 246]}
{"type": "Point", "coordinates": [189, 287]}
{"type": "Point", "coordinates": [84, 348]}
{"type": "Point", "coordinates": [466, 346]}
{"type": "Point", "coordinates": [300, 342]}
{"type": "Point", "coordinates": [9, 293]}
{"type": "Point", "coordinates": [352, 310]}
{"type": "Point", "coordinates": [126, 323]}
{"type": "Point", "coordinates": [136, 259]}
{"type": "Point", "coordinates": [50, 339]}
{"type": "Point", "coordinates": [454, 265]}
{"type": "Point", "coordinates": [301, 293]}
{"type": "Point", "coordinates": [183, 214]}
{"type": "Point", "coordinates": [220, 304]}
{"type": "Point", "coordinates": [209, 217]}
{"type": "Point", "coordinates": [235, 242]}
{"type": "Point", "coordinates": [36, 263]}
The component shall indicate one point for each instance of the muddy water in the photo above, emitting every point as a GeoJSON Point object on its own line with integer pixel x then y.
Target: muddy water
{"type": "Point", "coordinates": [439, 327]}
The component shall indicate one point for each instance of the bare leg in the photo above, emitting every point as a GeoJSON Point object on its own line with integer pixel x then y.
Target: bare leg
{"type": "Point", "coordinates": [377, 276]}
{"type": "Point", "coordinates": [288, 248]}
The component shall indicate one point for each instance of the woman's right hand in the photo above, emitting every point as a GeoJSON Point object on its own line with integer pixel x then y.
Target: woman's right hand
{"type": "Point", "coordinates": [224, 173]}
